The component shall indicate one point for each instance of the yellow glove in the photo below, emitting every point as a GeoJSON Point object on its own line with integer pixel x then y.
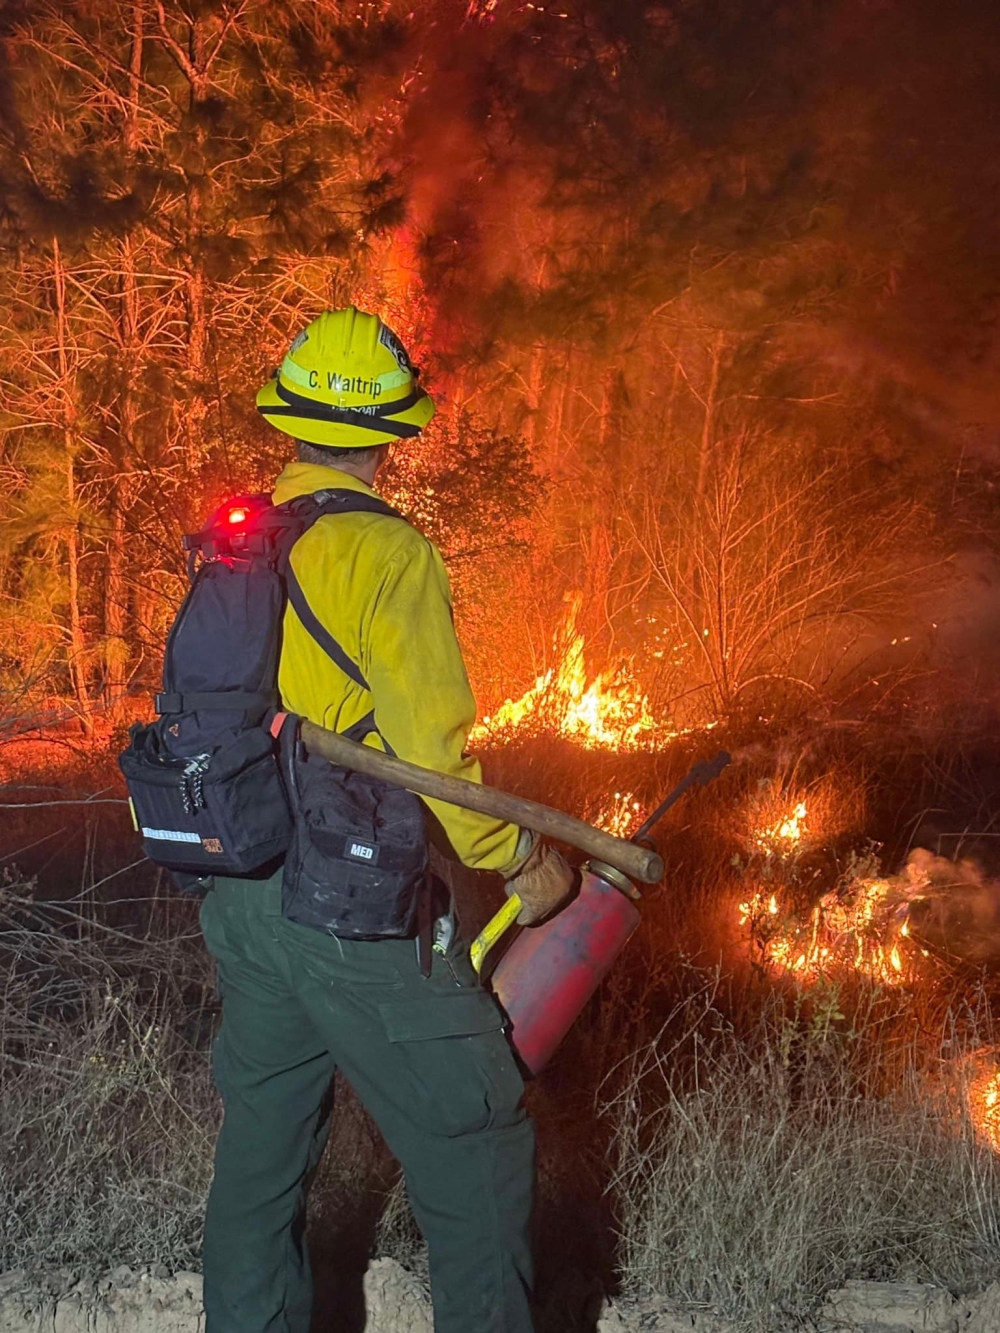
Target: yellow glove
{"type": "Point", "coordinates": [543, 882]}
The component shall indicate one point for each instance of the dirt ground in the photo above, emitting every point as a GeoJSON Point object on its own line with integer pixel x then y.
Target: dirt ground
{"type": "Point", "coordinates": [150, 1301]}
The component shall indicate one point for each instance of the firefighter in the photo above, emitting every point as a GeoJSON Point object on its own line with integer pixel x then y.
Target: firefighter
{"type": "Point", "coordinates": [417, 1038]}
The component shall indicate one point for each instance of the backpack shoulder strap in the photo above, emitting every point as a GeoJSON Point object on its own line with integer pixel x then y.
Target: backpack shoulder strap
{"type": "Point", "coordinates": [339, 500]}
{"type": "Point", "coordinates": [318, 632]}
{"type": "Point", "coordinates": [307, 509]}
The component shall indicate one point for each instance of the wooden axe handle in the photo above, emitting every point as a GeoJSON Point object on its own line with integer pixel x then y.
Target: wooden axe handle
{"type": "Point", "coordinates": [637, 862]}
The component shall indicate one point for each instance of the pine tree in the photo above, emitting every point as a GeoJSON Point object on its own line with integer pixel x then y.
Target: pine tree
{"type": "Point", "coordinates": [173, 179]}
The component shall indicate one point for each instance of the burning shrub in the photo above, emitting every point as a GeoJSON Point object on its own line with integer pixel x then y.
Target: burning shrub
{"type": "Point", "coordinates": [880, 927]}
{"type": "Point", "coordinates": [859, 926]}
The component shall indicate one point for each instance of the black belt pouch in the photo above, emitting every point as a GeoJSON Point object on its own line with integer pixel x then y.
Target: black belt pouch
{"type": "Point", "coordinates": [358, 855]}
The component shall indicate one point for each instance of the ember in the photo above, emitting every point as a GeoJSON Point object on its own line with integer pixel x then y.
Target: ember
{"type": "Point", "coordinates": [622, 816]}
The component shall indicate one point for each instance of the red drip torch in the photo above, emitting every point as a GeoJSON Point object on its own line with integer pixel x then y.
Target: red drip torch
{"type": "Point", "coordinates": [550, 971]}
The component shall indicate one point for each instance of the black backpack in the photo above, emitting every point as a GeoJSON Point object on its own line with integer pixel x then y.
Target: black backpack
{"type": "Point", "coordinates": [214, 792]}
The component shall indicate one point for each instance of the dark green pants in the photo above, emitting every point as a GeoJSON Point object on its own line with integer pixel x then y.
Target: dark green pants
{"type": "Point", "coordinates": [427, 1057]}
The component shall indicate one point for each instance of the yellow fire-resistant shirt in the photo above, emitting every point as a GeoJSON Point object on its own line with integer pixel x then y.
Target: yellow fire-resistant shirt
{"type": "Point", "coordinates": [380, 588]}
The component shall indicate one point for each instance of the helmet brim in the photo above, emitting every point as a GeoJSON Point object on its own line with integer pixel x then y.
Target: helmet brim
{"type": "Point", "coordinates": [335, 433]}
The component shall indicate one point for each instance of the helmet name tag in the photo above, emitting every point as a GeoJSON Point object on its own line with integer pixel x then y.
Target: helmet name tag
{"type": "Point", "coordinates": [351, 384]}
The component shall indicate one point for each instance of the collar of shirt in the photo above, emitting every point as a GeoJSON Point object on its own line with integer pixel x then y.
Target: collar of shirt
{"type": "Point", "coordinates": [306, 478]}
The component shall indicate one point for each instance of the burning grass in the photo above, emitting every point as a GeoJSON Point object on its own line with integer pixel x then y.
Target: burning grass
{"type": "Point", "coordinates": [831, 1112]}
{"type": "Point", "coordinates": [596, 711]}
{"type": "Point", "coordinates": [621, 816]}
{"type": "Point", "coordinates": [859, 927]}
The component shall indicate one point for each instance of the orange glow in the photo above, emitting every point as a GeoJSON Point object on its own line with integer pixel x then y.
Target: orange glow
{"type": "Point", "coordinates": [982, 1097]}
{"type": "Point", "coordinates": [237, 515]}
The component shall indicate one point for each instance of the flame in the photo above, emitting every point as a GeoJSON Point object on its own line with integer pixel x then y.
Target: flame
{"type": "Point", "coordinates": [783, 836]}
{"type": "Point", "coordinates": [982, 1098]}
{"type": "Point", "coordinates": [856, 929]}
{"type": "Point", "coordinates": [860, 926]}
{"type": "Point", "coordinates": [603, 712]}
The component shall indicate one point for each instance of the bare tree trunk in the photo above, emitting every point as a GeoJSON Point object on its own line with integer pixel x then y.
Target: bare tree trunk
{"type": "Point", "coordinates": [598, 559]}
{"type": "Point", "coordinates": [116, 653]}
{"type": "Point", "coordinates": [536, 389]}
{"type": "Point", "coordinates": [557, 414]}
{"type": "Point", "coordinates": [116, 646]}
{"type": "Point", "coordinates": [672, 400]}
{"type": "Point", "coordinates": [116, 649]}
{"type": "Point", "coordinates": [77, 643]}
{"type": "Point", "coordinates": [134, 76]}
{"type": "Point", "coordinates": [76, 657]}
{"type": "Point", "coordinates": [614, 400]}
{"type": "Point", "coordinates": [195, 407]}
{"type": "Point", "coordinates": [192, 57]}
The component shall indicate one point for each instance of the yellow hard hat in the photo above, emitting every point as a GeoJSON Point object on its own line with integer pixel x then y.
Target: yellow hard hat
{"type": "Point", "coordinates": [346, 382]}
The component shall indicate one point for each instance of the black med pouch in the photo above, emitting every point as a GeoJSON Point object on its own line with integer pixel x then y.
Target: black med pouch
{"type": "Point", "coordinates": [358, 855]}
{"type": "Point", "coordinates": [205, 790]}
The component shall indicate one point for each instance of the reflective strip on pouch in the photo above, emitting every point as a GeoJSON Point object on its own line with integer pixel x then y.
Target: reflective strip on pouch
{"type": "Point", "coordinates": [171, 835]}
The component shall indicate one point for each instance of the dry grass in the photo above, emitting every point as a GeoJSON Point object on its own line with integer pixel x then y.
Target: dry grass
{"type": "Point", "coordinates": [108, 1112]}
{"type": "Point", "coordinates": [107, 1115]}
{"type": "Point", "coordinates": [755, 1171]}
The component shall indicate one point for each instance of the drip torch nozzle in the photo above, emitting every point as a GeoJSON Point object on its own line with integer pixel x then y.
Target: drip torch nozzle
{"type": "Point", "coordinates": [700, 775]}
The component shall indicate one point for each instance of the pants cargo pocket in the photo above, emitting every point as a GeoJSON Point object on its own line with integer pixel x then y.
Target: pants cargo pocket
{"type": "Point", "coordinates": [455, 1066]}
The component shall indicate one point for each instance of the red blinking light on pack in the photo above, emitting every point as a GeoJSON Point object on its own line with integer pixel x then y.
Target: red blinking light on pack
{"type": "Point", "coordinates": [232, 530]}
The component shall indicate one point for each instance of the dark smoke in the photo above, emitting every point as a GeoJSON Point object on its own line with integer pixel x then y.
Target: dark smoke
{"type": "Point", "coordinates": [954, 909]}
